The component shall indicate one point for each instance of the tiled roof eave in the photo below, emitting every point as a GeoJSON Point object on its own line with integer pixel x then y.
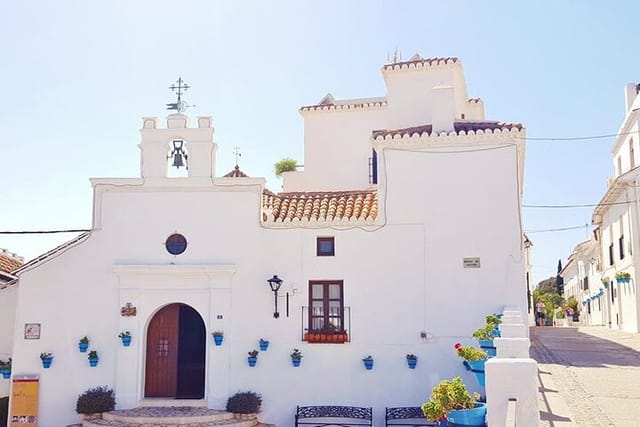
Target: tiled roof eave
{"type": "Point", "coordinates": [421, 64]}
{"type": "Point", "coordinates": [279, 224]}
{"type": "Point", "coordinates": [426, 138]}
{"type": "Point", "coordinates": [345, 107]}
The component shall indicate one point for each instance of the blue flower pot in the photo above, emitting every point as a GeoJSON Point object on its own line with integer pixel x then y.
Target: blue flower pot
{"type": "Point", "coordinates": [217, 339]}
{"type": "Point", "coordinates": [468, 417]}
{"type": "Point", "coordinates": [264, 345]}
{"type": "Point", "coordinates": [46, 363]}
{"type": "Point", "coordinates": [126, 341]}
{"type": "Point", "coordinates": [296, 362]}
{"type": "Point", "coordinates": [442, 423]}
{"type": "Point", "coordinates": [412, 363]}
{"type": "Point", "coordinates": [487, 345]}
{"type": "Point", "coordinates": [6, 374]}
{"type": "Point", "coordinates": [82, 346]}
{"type": "Point", "coordinates": [93, 362]}
{"type": "Point", "coordinates": [477, 368]}
{"type": "Point", "coordinates": [368, 364]}
{"type": "Point", "coordinates": [252, 361]}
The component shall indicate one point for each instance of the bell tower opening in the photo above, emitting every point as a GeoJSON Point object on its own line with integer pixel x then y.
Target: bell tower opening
{"type": "Point", "coordinates": [178, 159]}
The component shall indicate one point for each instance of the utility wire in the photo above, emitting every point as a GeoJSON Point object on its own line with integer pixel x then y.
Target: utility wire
{"type": "Point", "coordinates": [549, 230]}
{"type": "Point", "coordinates": [586, 205]}
{"type": "Point", "coordinates": [575, 138]}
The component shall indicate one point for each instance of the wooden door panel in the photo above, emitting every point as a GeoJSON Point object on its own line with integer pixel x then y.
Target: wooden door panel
{"type": "Point", "coordinates": [162, 353]}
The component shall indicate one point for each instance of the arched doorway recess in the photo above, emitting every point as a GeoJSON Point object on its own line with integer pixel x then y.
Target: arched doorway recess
{"type": "Point", "coordinates": [175, 361]}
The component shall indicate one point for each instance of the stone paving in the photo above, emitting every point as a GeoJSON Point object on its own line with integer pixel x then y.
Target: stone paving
{"type": "Point", "coordinates": [589, 376]}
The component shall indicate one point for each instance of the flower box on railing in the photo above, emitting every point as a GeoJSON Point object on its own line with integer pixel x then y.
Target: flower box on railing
{"type": "Point", "coordinates": [326, 337]}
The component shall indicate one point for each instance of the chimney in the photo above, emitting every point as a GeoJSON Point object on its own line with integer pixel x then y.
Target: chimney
{"type": "Point", "coordinates": [443, 109]}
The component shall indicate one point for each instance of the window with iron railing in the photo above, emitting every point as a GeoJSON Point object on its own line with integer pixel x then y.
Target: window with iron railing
{"type": "Point", "coordinates": [326, 314]}
{"type": "Point", "coordinates": [373, 168]}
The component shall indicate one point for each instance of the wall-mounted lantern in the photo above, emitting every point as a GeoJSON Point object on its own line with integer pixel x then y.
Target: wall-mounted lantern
{"type": "Point", "coordinates": [274, 283]}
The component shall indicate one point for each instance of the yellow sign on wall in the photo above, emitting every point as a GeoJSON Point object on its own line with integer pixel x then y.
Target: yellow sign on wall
{"type": "Point", "coordinates": [24, 402]}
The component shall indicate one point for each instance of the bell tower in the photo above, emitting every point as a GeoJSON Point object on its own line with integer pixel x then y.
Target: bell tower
{"type": "Point", "coordinates": [178, 145]}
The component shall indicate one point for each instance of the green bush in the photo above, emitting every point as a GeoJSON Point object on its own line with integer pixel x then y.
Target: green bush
{"type": "Point", "coordinates": [4, 410]}
{"type": "Point", "coordinates": [96, 400]}
{"type": "Point", "coordinates": [284, 165]}
{"type": "Point", "coordinates": [245, 402]}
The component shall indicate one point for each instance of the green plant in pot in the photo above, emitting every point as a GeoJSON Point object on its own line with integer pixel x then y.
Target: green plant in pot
{"type": "Point", "coordinates": [451, 396]}
{"type": "Point", "coordinates": [296, 357]}
{"type": "Point", "coordinates": [83, 344]}
{"type": "Point", "coordinates": [46, 358]}
{"type": "Point", "coordinates": [93, 358]}
{"type": "Point", "coordinates": [5, 368]}
{"type": "Point", "coordinates": [93, 402]}
{"type": "Point", "coordinates": [474, 360]}
{"type": "Point", "coordinates": [245, 404]}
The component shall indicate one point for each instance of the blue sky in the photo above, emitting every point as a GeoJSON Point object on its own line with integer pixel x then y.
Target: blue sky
{"type": "Point", "coordinates": [77, 77]}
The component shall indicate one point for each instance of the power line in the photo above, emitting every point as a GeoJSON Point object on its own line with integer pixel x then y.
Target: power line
{"type": "Point", "coordinates": [549, 230]}
{"type": "Point", "coordinates": [585, 205]}
{"type": "Point", "coordinates": [575, 138]}
{"type": "Point", "coordinates": [45, 231]}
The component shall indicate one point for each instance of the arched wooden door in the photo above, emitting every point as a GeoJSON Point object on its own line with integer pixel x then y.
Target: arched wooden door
{"type": "Point", "coordinates": [175, 363]}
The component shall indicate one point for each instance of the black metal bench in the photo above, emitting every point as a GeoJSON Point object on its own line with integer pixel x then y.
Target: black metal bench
{"type": "Point", "coordinates": [343, 416]}
{"type": "Point", "coordinates": [406, 416]}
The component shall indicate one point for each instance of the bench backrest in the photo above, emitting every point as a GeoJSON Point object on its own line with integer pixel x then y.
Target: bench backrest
{"type": "Point", "coordinates": [406, 416]}
{"type": "Point", "coordinates": [360, 416]}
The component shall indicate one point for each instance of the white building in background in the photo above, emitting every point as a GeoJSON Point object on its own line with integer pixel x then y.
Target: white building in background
{"type": "Point", "coordinates": [400, 235]}
{"type": "Point", "coordinates": [582, 281]}
{"type": "Point", "coordinates": [616, 221]}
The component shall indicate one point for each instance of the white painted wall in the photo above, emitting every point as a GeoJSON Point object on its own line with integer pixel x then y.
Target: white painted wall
{"type": "Point", "coordinates": [8, 299]}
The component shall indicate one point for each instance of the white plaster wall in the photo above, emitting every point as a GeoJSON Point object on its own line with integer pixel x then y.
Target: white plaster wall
{"type": "Point", "coordinates": [469, 205]}
{"type": "Point", "coordinates": [338, 140]}
{"type": "Point", "coordinates": [8, 300]}
{"type": "Point", "coordinates": [409, 94]}
{"type": "Point", "coordinates": [393, 294]}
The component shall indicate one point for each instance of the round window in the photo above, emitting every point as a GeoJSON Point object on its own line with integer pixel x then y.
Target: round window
{"type": "Point", "coordinates": [176, 244]}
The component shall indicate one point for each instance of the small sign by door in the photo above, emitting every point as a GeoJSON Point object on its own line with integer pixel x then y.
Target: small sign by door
{"type": "Point", "coordinates": [24, 401]}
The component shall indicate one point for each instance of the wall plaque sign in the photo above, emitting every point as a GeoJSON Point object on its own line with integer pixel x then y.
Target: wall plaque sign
{"type": "Point", "coordinates": [128, 310]}
{"type": "Point", "coordinates": [32, 331]}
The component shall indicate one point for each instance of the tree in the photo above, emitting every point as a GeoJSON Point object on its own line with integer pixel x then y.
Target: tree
{"type": "Point", "coordinates": [546, 292]}
{"type": "Point", "coordinates": [559, 279]}
{"type": "Point", "coordinates": [547, 286]}
{"type": "Point", "coordinates": [284, 165]}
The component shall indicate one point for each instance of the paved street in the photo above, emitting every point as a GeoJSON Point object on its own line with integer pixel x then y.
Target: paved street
{"type": "Point", "coordinates": [589, 376]}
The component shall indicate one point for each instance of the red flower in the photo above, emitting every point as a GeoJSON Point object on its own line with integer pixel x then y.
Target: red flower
{"type": "Point", "coordinates": [457, 346]}
{"type": "Point", "coordinates": [459, 350]}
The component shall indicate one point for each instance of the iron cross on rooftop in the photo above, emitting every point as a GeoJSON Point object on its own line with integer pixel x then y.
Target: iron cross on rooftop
{"type": "Point", "coordinates": [182, 87]}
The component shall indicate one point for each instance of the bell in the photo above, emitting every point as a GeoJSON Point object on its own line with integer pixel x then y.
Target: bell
{"type": "Point", "coordinates": [177, 160]}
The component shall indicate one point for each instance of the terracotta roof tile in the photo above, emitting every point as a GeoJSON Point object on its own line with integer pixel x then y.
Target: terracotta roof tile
{"type": "Point", "coordinates": [460, 126]}
{"type": "Point", "coordinates": [236, 173]}
{"type": "Point", "coordinates": [321, 206]}
{"type": "Point", "coordinates": [9, 261]}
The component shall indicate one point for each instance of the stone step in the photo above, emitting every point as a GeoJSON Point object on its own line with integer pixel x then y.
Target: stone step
{"type": "Point", "coordinates": [175, 416]}
{"type": "Point", "coordinates": [161, 423]}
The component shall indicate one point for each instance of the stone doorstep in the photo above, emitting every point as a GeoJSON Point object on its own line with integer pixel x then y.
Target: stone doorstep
{"type": "Point", "coordinates": [162, 423]}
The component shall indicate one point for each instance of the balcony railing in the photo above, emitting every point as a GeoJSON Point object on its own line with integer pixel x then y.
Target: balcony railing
{"type": "Point", "coordinates": [336, 329]}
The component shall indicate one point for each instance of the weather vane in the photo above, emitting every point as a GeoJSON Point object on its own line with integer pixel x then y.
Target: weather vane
{"type": "Point", "coordinates": [179, 89]}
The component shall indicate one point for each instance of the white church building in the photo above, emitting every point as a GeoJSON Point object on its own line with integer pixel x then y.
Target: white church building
{"type": "Point", "coordinates": [401, 233]}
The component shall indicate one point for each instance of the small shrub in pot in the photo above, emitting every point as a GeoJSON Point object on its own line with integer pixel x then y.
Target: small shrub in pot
{"type": "Point", "coordinates": [96, 400]}
{"type": "Point", "coordinates": [244, 402]}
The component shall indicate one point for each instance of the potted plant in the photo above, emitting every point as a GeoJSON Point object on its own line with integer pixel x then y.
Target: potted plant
{"type": "Point", "coordinates": [412, 360]}
{"type": "Point", "coordinates": [368, 362]}
{"type": "Point", "coordinates": [605, 281]}
{"type": "Point", "coordinates": [83, 344]}
{"type": "Point", "coordinates": [622, 277]}
{"type": "Point", "coordinates": [474, 359]}
{"type": "Point", "coordinates": [253, 358]}
{"type": "Point", "coordinates": [485, 336]}
{"type": "Point", "coordinates": [93, 402]}
{"type": "Point", "coordinates": [264, 344]}
{"type": "Point", "coordinates": [46, 358]}
{"type": "Point", "coordinates": [244, 405]}
{"type": "Point", "coordinates": [218, 336]}
{"type": "Point", "coordinates": [93, 358]}
{"type": "Point", "coordinates": [451, 401]}
{"type": "Point", "coordinates": [296, 357]}
{"type": "Point", "coordinates": [5, 369]}
{"type": "Point", "coordinates": [125, 336]}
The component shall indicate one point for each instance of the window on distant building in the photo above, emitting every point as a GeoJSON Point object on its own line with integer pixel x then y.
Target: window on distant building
{"type": "Point", "coordinates": [621, 246]}
{"type": "Point", "coordinates": [611, 254]}
{"type": "Point", "coordinates": [325, 246]}
{"type": "Point", "coordinates": [632, 160]}
{"type": "Point", "coordinates": [326, 306]}
{"type": "Point", "coordinates": [619, 165]}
